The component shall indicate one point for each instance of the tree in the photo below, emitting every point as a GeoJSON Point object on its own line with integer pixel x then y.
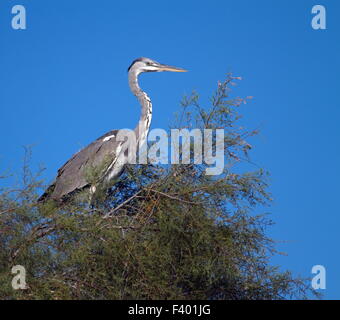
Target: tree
{"type": "Point", "coordinates": [161, 232]}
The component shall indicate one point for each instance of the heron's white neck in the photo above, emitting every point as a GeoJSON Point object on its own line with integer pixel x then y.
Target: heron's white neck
{"type": "Point", "coordinates": [144, 123]}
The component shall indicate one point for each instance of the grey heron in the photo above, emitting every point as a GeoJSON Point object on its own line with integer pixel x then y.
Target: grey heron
{"type": "Point", "coordinates": [104, 152]}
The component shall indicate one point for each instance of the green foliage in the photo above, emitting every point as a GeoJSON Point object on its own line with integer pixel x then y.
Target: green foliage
{"type": "Point", "coordinates": [162, 232]}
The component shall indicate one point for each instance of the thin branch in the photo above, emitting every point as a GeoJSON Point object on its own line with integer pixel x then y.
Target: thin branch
{"type": "Point", "coordinates": [172, 197]}
{"type": "Point", "coordinates": [121, 205]}
{"type": "Point", "coordinates": [43, 230]}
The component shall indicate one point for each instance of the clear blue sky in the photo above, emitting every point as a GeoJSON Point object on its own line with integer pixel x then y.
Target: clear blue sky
{"type": "Point", "coordinates": [63, 83]}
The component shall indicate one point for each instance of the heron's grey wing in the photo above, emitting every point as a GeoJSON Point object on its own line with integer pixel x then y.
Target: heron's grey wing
{"type": "Point", "coordinates": [72, 175]}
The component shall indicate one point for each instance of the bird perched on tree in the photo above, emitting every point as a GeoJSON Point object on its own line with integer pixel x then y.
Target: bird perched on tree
{"type": "Point", "coordinates": [105, 155]}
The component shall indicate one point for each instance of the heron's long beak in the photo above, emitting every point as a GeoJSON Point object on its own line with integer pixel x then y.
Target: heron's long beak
{"type": "Point", "coordinates": [164, 67]}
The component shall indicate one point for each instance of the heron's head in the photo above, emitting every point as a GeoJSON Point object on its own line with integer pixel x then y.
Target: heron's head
{"type": "Point", "coordinates": [147, 65]}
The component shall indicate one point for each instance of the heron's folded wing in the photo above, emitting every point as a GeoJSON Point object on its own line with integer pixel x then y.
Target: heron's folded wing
{"type": "Point", "coordinates": [72, 175]}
